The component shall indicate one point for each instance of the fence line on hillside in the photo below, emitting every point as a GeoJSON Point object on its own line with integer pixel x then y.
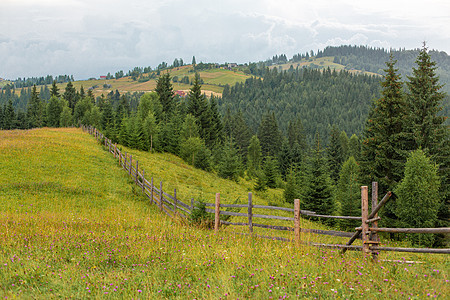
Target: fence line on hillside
{"type": "Point", "coordinates": [174, 207]}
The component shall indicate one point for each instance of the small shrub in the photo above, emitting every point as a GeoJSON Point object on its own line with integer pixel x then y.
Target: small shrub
{"type": "Point", "coordinates": [199, 216]}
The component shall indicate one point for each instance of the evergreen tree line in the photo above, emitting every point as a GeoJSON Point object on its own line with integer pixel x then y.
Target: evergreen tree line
{"type": "Point", "coordinates": [34, 109]}
{"type": "Point", "coordinates": [373, 59]}
{"type": "Point", "coordinates": [319, 98]}
{"type": "Point", "coordinates": [29, 82]}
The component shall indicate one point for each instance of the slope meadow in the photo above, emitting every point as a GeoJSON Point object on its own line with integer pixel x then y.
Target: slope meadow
{"type": "Point", "coordinates": [73, 226]}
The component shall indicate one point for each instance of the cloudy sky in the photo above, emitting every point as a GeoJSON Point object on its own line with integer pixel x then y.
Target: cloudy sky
{"type": "Point", "coordinates": [89, 38]}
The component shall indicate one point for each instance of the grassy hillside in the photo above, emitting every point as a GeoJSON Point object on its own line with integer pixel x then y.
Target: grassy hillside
{"type": "Point", "coordinates": [214, 80]}
{"type": "Point", "coordinates": [320, 63]}
{"type": "Point", "coordinates": [72, 225]}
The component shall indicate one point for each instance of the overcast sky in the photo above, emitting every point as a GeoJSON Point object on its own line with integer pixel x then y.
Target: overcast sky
{"type": "Point", "coordinates": [89, 38]}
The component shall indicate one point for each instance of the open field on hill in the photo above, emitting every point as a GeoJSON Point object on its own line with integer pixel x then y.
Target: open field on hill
{"type": "Point", "coordinates": [320, 63]}
{"type": "Point", "coordinates": [214, 80]}
{"type": "Point", "coordinates": [72, 225]}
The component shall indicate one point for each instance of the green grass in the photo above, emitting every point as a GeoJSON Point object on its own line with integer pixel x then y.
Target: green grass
{"type": "Point", "coordinates": [72, 226]}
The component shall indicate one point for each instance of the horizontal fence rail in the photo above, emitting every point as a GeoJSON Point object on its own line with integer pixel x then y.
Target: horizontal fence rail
{"type": "Point", "coordinates": [174, 207]}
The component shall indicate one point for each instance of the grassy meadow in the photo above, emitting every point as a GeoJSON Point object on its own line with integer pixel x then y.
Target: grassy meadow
{"type": "Point", "coordinates": [72, 225]}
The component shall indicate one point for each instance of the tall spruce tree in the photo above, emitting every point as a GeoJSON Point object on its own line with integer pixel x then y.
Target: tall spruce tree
{"type": "Point", "coordinates": [55, 90]}
{"type": "Point", "coordinates": [344, 141]}
{"type": "Point", "coordinates": [54, 110]}
{"type": "Point", "coordinates": [216, 135]}
{"type": "Point", "coordinates": [318, 192]}
{"type": "Point", "coordinates": [271, 171]}
{"type": "Point", "coordinates": [291, 191]}
{"type": "Point", "coordinates": [384, 143]}
{"type": "Point", "coordinates": [230, 164]}
{"type": "Point", "coordinates": [164, 89]}
{"type": "Point", "coordinates": [296, 134]}
{"type": "Point", "coordinates": [241, 135]}
{"type": "Point", "coordinates": [35, 110]}
{"type": "Point", "coordinates": [269, 135]}
{"type": "Point", "coordinates": [70, 94]}
{"type": "Point", "coordinates": [198, 107]}
{"type": "Point", "coordinates": [9, 116]}
{"type": "Point", "coordinates": [426, 127]}
{"type": "Point", "coordinates": [335, 154]}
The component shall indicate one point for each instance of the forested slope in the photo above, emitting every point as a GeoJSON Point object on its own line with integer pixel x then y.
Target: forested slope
{"type": "Point", "coordinates": [320, 99]}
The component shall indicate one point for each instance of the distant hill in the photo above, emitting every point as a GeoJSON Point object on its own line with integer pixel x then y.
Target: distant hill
{"type": "Point", "coordinates": [373, 60]}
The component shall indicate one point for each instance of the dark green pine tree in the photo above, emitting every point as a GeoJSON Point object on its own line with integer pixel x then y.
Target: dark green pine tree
{"type": "Point", "coordinates": [241, 135]}
{"type": "Point", "coordinates": [164, 89]}
{"type": "Point", "coordinates": [198, 107]}
{"type": "Point", "coordinates": [123, 132]}
{"type": "Point", "coordinates": [70, 94]}
{"type": "Point", "coordinates": [123, 109]}
{"type": "Point", "coordinates": [297, 155]}
{"type": "Point", "coordinates": [230, 163]}
{"type": "Point", "coordinates": [271, 171]}
{"type": "Point", "coordinates": [384, 142]}
{"type": "Point", "coordinates": [424, 102]}
{"type": "Point", "coordinates": [54, 110]}
{"type": "Point", "coordinates": [354, 147]}
{"type": "Point", "coordinates": [292, 191]}
{"type": "Point", "coordinates": [136, 134]}
{"type": "Point", "coordinates": [169, 135]}
{"type": "Point", "coordinates": [269, 135]}
{"type": "Point", "coordinates": [284, 158]}
{"type": "Point", "coordinates": [426, 127]}
{"type": "Point", "coordinates": [35, 110]}
{"type": "Point", "coordinates": [216, 135]}
{"type": "Point", "coordinates": [82, 93]}
{"type": "Point", "coordinates": [107, 121]}
{"type": "Point", "coordinates": [9, 116]}
{"type": "Point", "coordinates": [317, 194]}
{"type": "Point", "coordinates": [55, 90]}
{"type": "Point", "coordinates": [335, 154]}
{"type": "Point", "coordinates": [343, 139]}
{"type": "Point", "coordinates": [296, 134]}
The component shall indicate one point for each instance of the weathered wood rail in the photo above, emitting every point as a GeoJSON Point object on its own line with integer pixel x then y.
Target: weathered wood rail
{"type": "Point", "coordinates": [174, 207]}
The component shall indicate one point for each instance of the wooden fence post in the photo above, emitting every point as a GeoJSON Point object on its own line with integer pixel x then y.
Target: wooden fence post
{"type": "Point", "coordinates": [160, 195]}
{"type": "Point", "coordinates": [151, 192]}
{"type": "Point", "coordinates": [374, 235]}
{"type": "Point", "coordinates": [137, 172]}
{"type": "Point", "coordinates": [125, 162]}
{"type": "Point", "coordinates": [250, 213]}
{"type": "Point", "coordinates": [109, 142]}
{"type": "Point", "coordinates": [131, 161]}
{"type": "Point", "coordinates": [297, 221]}
{"type": "Point", "coordinates": [115, 149]}
{"type": "Point", "coordinates": [364, 218]}
{"type": "Point", "coordinates": [217, 213]}
{"type": "Point", "coordinates": [174, 202]}
{"type": "Point", "coordinates": [143, 181]}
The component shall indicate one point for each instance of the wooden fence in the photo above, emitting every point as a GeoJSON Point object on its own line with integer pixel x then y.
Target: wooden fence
{"type": "Point", "coordinates": [174, 207]}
